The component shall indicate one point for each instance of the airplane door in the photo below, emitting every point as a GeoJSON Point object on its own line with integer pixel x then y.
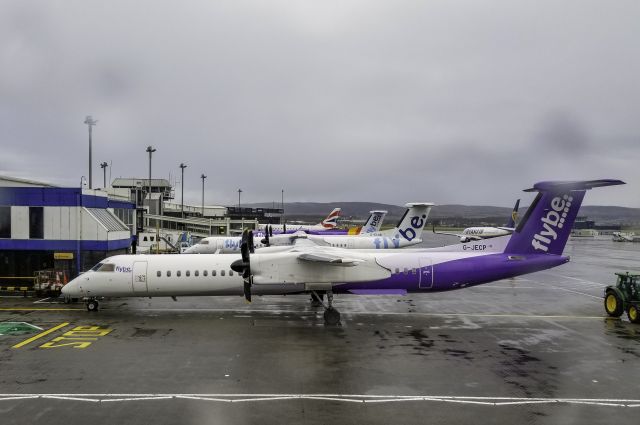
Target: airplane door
{"type": "Point", "coordinates": [139, 278]}
{"type": "Point", "coordinates": [426, 274]}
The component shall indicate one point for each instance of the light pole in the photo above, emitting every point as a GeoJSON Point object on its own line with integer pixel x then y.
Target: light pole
{"type": "Point", "coordinates": [282, 206]}
{"type": "Point", "coordinates": [151, 150]}
{"type": "Point", "coordinates": [182, 166]}
{"type": "Point", "coordinates": [90, 122]}
{"type": "Point", "coordinates": [239, 192]}
{"type": "Point", "coordinates": [203, 177]}
{"type": "Point", "coordinates": [104, 166]}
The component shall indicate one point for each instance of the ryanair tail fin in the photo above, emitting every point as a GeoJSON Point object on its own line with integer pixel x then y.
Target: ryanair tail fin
{"type": "Point", "coordinates": [514, 215]}
{"type": "Point", "coordinates": [546, 226]}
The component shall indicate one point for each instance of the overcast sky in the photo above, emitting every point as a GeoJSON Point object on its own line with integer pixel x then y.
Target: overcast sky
{"type": "Point", "coordinates": [386, 101]}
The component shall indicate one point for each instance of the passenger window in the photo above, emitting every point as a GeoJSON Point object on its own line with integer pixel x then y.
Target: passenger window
{"type": "Point", "coordinates": [168, 273]}
{"type": "Point", "coordinates": [145, 239]}
{"type": "Point", "coordinates": [397, 270]}
{"type": "Point", "coordinates": [204, 273]}
{"type": "Point", "coordinates": [159, 274]}
{"type": "Point", "coordinates": [413, 271]}
{"type": "Point", "coordinates": [188, 273]}
{"type": "Point", "coordinates": [221, 272]}
{"type": "Point", "coordinates": [406, 270]}
{"type": "Point", "coordinates": [178, 273]}
{"type": "Point", "coordinates": [196, 273]}
{"type": "Point", "coordinates": [230, 272]}
{"type": "Point", "coordinates": [213, 272]}
{"type": "Point", "coordinates": [152, 238]}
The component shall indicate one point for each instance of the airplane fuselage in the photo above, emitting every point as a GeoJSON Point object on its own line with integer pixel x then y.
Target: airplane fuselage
{"type": "Point", "coordinates": [413, 270]}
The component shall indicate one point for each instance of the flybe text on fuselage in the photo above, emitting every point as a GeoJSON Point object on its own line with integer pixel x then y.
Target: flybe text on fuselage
{"type": "Point", "coordinates": [553, 220]}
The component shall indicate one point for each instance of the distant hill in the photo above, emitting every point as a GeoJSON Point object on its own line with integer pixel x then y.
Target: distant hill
{"type": "Point", "coordinates": [462, 214]}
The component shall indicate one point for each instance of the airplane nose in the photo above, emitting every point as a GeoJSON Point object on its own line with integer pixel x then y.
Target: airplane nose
{"type": "Point", "coordinates": [71, 289]}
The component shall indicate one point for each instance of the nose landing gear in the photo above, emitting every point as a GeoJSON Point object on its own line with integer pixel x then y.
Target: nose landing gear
{"type": "Point", "coordinates": [92, 305]}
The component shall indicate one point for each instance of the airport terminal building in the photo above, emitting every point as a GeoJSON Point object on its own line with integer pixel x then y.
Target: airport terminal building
{"type": "Point", "coordinates": [68, 229]}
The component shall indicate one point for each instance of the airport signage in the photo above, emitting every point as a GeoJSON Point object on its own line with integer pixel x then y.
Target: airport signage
{"type": "Point", "coordinates": [63, 255]}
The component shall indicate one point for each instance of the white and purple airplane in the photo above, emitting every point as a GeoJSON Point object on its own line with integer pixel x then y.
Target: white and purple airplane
{"type": "Point", "coordinates": [231, 244]}
{"type": "Point", "coordinates": [329, 223]}
{"type": "Point", "coordinates": [408, 232]}
{"type": "Point", "coordinates": [536, 244]}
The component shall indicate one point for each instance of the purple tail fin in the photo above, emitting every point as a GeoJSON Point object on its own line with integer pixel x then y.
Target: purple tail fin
{"type": "Point", "coordinates": [547, 224]}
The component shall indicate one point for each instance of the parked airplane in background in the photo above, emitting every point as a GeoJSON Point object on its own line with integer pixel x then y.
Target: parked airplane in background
{"type": "Point", "coordinates": [485, 232]}
{"type": "Point", "coordinates": [536, 244]}
{"type": "Point", "coordinates": [327, 224]}
{"type": "Point", "coordinates": [404, 235]}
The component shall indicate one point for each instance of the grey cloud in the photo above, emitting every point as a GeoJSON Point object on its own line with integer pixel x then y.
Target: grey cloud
{"type": "Point", "coordinates": [356, 100]}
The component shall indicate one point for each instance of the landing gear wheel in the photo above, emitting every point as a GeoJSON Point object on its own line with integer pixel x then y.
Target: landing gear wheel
{"type": "Point", "coordinates": [633, 314]}
{"type": "Point", "coordinates": [331, 317]}
{"type": "Point", "coordinates": [92, 305]}
{"type": "Point", "coordinates": [613, 304]}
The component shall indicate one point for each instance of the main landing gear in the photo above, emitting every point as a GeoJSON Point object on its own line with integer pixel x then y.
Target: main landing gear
{"type": "Point", "coordinates": [331, 315]}
{"type": "Point", "coordinates": [316, 299]}
{"type": "Point", "coordinates": [92, 304]}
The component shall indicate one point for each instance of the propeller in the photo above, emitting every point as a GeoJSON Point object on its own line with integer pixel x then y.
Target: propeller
{"type": "Point", "coordinates": [270, 230]}
{"type": "Point", "coordinates": [244, 264]}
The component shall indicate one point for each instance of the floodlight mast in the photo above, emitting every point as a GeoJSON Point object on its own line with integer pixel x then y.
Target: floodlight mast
{"type": "Point", "coordinates": [90, 122]}
{"type": "Point", "coordinates": [182, 167]}
{"type": "Point", "coordinates": [151, 150]}
{"type": "Point", "coordinates": [203, 177]}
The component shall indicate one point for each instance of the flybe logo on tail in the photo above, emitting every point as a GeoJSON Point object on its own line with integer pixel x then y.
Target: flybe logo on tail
{"type": "Point", "coordinates": [417, 223]}
{"type": "Point", "coordinates": [551, 222]}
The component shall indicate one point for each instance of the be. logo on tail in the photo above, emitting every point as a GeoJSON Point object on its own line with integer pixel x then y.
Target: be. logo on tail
{"type": "Point", "coordinates": [417, 223]}
{"type": "Point", "coordinates": [554, 220]}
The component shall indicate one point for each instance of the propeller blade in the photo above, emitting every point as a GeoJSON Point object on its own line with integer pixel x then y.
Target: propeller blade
{"type": "Point", "coordinates": [266, 240]}
{"type": "Point", "coordinates": [270, 230]}
{"type": "Point", "coordinates": [247, 290]}
{"type": "Point", "coordinates": [243, 266]}
{"type": "Point", "coordinates": [252, 248]}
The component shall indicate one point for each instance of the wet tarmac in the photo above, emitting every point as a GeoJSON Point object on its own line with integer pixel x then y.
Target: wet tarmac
{"type": "Point", "coordinates": [535, 349]}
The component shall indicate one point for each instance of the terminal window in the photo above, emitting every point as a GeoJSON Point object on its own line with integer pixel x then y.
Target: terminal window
{"type": "Point", "coordinates": [5, 222]}
{"type": "Point", "coordinates": [36, 223]}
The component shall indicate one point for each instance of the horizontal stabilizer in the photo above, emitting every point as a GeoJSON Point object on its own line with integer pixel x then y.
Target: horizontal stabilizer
{"type": "Point", "coordinates": [564, 186]}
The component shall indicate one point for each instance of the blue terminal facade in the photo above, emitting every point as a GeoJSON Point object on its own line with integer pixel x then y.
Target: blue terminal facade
{"type": "Point", "coordinates": [67, 229]}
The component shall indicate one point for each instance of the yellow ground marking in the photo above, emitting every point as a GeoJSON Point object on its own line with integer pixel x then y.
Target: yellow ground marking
{"type": "Point", "coordinates": [38, 309]}
{"type": "Point", "coordinates": [40, 335]}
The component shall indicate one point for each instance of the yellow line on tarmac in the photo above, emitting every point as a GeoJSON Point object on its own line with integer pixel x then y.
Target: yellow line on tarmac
{"type": "Point", "coordinates": [38, 309]}
{"type": "Point", "coordinates": [40, 335]}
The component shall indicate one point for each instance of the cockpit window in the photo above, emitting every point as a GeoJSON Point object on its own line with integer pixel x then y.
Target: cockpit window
{"type": "Point", "coordinates": [96, 267]}
{"type": "Point", "coordinates": [204, 242]}
{"type": "Point", "coordinates": [107, 267]}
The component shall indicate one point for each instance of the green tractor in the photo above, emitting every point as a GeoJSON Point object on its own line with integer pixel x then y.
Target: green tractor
{"type": "Point", "coordinates": [624, 296]}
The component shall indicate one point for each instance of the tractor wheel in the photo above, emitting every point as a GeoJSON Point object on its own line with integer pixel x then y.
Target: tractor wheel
{"type": "Point", "coordinates": [613, 304]}
{"type": "Point", "coordinates": [633, 314]}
